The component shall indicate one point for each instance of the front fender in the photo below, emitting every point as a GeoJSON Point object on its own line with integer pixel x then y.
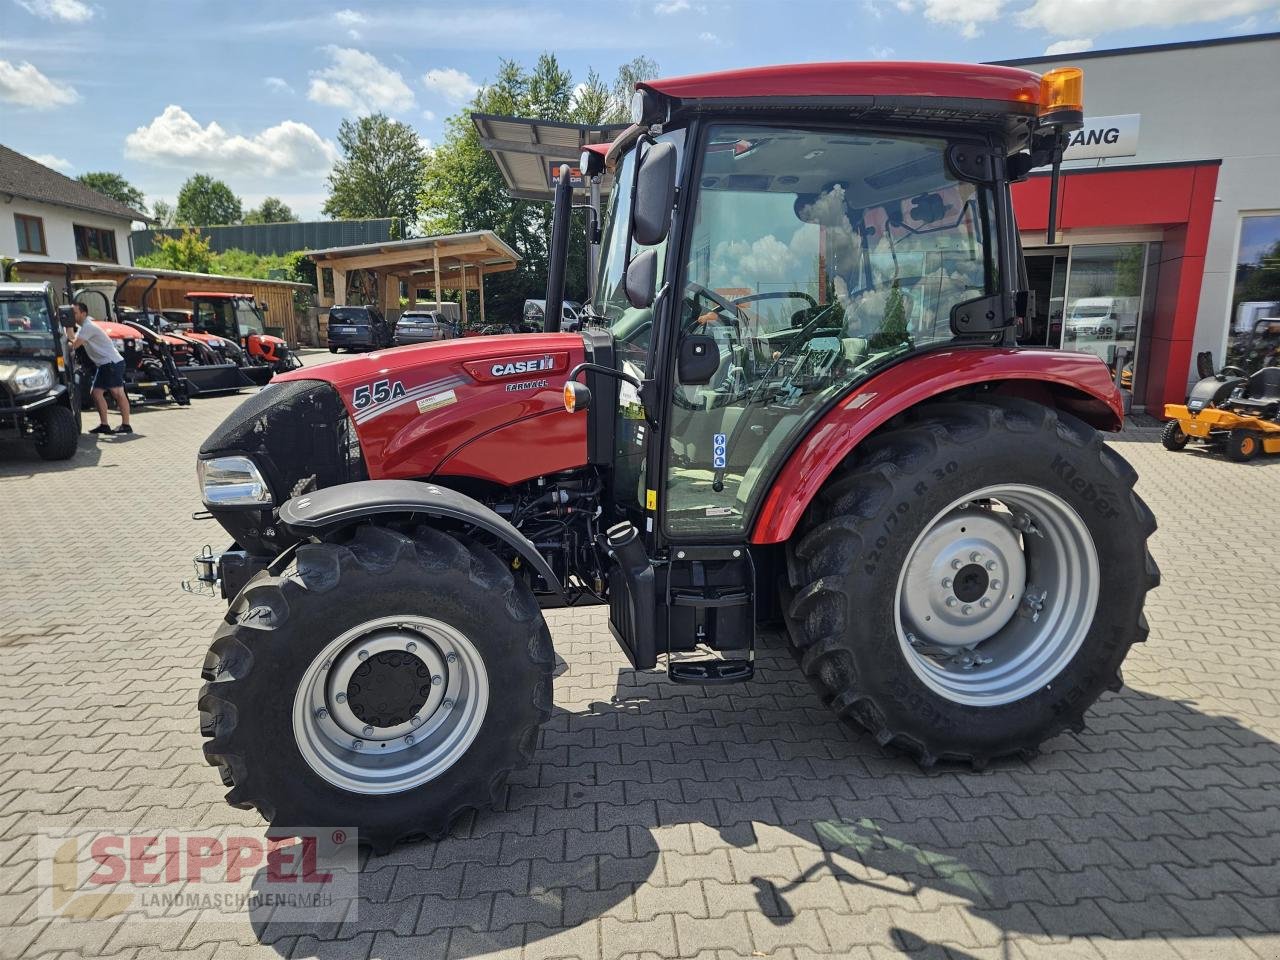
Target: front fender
{"type": "Point", "coordinates": [1077, 383]}
{"type": "Point", "coordinates": [347, 502]}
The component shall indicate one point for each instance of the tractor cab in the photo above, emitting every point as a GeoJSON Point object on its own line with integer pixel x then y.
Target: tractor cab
{"type": "Point", "coordinates": [38, 398]}
{"type": "Point", "coordinates": [237, 319]}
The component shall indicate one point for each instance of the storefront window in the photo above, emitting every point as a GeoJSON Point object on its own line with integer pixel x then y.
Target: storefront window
{"type": "Point", "coordinates": [1104, 301]}
{"type": "Point", "coordinates": [1254, 337]}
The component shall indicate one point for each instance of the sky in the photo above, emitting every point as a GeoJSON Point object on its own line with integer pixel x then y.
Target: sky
{"type": "Point", "coordinates": [253, 92]}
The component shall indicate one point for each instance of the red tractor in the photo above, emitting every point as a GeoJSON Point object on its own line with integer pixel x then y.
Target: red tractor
{"type": "Point", "coordinates": [234, 324]}
{"type": "Point", "coordinates": [797, 399]}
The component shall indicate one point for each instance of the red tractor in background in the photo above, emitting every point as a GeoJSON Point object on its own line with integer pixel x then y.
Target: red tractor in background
{"type": "Point", "coordinates": [233, 322]}
{"type": "Point", "coordinates": [797, 398]}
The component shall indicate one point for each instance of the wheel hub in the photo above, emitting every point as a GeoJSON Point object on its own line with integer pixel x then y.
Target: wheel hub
{"type": "Point", "coordinates": [390, 704]}
{"type": "Point", "coordinates": [963, 580]}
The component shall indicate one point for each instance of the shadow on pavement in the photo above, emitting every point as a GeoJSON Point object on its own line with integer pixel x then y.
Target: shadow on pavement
{"type": "Point", "coordinates": [1158, 820]}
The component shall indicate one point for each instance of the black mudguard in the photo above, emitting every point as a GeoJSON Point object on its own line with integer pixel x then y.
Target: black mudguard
{"type": "Point", "coordinates": [347, 502]}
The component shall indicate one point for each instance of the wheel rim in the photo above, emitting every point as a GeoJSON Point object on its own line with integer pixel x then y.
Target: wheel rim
{"type": "Point", "coordinates": [1246, 445]}
{"type": "Point", "coordinates": [390, 704]}
{"type": "Point", "coordinates": [997, 594]}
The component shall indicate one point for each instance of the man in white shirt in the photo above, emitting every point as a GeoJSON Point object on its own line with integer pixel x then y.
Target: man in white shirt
{"type": "Point", "coordinates": [109, 374]}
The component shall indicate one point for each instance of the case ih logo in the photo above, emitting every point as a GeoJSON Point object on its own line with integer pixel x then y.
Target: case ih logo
{"type": "Point", "coordinates": [514, 368]}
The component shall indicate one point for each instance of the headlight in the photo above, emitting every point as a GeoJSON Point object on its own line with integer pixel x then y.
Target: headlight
{"type": "Point", "coordinates": [232, 481]}
{"type": "Point", "coordinates": [32, 378]}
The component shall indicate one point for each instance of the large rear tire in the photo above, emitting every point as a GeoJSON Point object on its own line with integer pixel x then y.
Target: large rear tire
{"type": "Point", "coordinates": [967, 585]}
{"type": "Point", "coordinates": [388, 684]}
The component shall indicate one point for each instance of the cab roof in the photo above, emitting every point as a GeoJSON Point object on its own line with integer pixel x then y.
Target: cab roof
{"type": "Point", "coordinates": [860, 81]}
{"type": "Point", "coordinates": [219, 295]}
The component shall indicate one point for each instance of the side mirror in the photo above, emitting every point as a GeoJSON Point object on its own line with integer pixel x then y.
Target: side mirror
{"type": "Point", "coordinates": [699, 359]}
{"type": "Point", "coordinates": [654, 195]}
{"type": "Point", "coordinates": [641, 281]}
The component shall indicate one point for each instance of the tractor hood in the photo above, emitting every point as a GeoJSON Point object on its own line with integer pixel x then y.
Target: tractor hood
{"type": "Point", "coordinates": [485, 408]}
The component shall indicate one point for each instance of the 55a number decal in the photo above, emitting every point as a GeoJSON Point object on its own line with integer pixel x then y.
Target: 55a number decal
{"type": "Point", "coordinates": [371, 394]}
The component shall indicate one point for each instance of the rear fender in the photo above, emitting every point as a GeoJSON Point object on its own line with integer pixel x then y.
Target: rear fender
{"type": "Point", "coordinates": [339, 506]}
{"type": "Point", "coordinates": [1076, 383]}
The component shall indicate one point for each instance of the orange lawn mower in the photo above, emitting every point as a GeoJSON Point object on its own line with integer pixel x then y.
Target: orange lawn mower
{"type": "Point", "coordinates": [1235, 411]}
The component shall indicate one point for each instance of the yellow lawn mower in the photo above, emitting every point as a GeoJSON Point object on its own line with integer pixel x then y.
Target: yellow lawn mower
{"type": "Point", "coordinates": [1239, 412]}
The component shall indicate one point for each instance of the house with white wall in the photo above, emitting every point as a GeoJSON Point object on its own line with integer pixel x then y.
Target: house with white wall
{"type": "Point", "coordinates": [47, 216]}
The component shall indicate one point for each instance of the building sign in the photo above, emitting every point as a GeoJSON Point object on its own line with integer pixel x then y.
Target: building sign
{"type": "Point", "coordinates": [553, 174]}
{"type": "Point", "coordinates": [1104, 137]}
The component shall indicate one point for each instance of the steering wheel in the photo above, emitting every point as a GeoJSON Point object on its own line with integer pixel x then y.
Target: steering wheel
{"type": "Point", "coordinates": [721, 303]}
{"type": "Point", "coordinates": [1232, 371]}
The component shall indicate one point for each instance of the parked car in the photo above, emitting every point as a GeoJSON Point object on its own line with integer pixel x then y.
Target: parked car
{"type": "Point", "coordinates": [423, 326]}
{"type": "Point", "coordinates": [534, 319]}
{"type": "Point", "coordinates": [358, 328]}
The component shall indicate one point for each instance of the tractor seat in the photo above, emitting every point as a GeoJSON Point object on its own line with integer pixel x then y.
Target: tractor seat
{"type": "Point", "coordinates": [1261, 394]}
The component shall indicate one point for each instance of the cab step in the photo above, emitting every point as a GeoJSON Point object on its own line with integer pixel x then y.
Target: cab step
{"type": "Point", "coordinates": [711, 671]}
{"type": "Point", "coordinates": [710, 601]}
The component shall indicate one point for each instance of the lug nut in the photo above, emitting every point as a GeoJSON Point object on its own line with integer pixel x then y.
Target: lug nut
{"type": "Point", "coordinates": [956, 564]}
{"type": "Point", "coordinates": [411, 646]}
{"type": "Point", "coordinates": [447, 705]}
{"type": "Point", "coordinates": [364, 654]}
{"type": "Point", "coordinates": [368, 731]}
{"type": "Point", "coordinates": [357, 744]}
{"type": "Point", "coordinates": [995, 584]}
{"type": "Point", "coordinates": [408, 739]}
{"type": "Point", "coordinates": [341, 697]}
{"type": "Point", "coordinates": [952, 601]}
{"type": "Point", "coordinates": [321, 713]}
{"type": "Point", "coordinates": [975, 556]}
{"type": "Point", "coordinates": [451, 658]}
{"type": "Point", "coordinates": [437, 680]}
{"type": "Point", "coordinates": [415, 722]}
{"type": "Point", "coordinates": [966, 609]}
{"type": "Point", "coordinates": [946, 582]}
{"type": "Point", "coordinates": [984, 602]}
{"type": "Point", "coordinates": [326, 665]}
{"type": "Point", "coordinates": [991, 564]}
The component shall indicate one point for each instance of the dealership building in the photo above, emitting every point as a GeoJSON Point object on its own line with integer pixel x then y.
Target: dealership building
{"type": "Point", "coordinates": [1169, 205]}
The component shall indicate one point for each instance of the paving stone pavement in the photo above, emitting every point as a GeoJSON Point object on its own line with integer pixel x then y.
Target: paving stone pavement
{"type": "Point", "coordinates": [660, 821]}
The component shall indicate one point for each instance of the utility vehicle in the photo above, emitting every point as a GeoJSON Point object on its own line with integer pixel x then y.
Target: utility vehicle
{"type": "Point", "coordinates": [38, 398]}
{"type": "Point", "coordinates": [959, 560]}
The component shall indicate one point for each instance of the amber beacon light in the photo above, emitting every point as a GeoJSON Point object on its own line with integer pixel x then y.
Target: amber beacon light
{"type": "Point", "coordinates": [1062, 97]}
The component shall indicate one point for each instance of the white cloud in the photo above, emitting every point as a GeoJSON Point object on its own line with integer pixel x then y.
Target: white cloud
{"type": "Point", "coordinates": [49, 160]}
{"type": "Point", "coordinates": [359, 82]}
{"type": "Point", "coordinates": [350, 18]}
{"type": "Point", "coordinates": [23, 84]}
{"type": "Point", "coordinates": [1064, 47]}
{"type": "Point", "coordinates": [67, 11]}
{"type": "Point", "coordinates": [880, 53]}
{"type": "Point", "coordinates": [278, 84]}
{"type": "Point", "coordinates": [1071, 18]}
{"type": "Point", "coordinates": [965, 14]}
{"type": "Point", "coordinates": [175, 138]}
{"type": "Point", "coordinates": [453, 85]}
{"type": "Point", "coordinates": [706, 36]}
{"type": "Point", "coordinates": [667, 7]}
{"type": "Point", "coordinates": [428, 115]}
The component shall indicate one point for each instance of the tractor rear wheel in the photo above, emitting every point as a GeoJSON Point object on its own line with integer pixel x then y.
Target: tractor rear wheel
{"type": "Point", "coordinates": [1242, 445]}
{"type": "Point", "coordinates": [387, 684]}
{"type": "Point", "coordinates": [968, 583]}
{"type": "Point", "coordinates": [1172, 436]}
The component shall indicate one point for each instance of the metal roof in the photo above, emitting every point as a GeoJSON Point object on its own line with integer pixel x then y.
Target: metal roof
{"type": "Point", "coordinates": [115, 269]}
{"type": "Point", "coordinates": [527, 150]}
{"type": "Point", "coordinates": [500, 248]}
{"type": "Point", "coordinates": [20, 176]}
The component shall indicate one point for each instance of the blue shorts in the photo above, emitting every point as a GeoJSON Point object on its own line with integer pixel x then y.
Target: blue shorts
{"type": "Point", "coordinates": [109, 375]}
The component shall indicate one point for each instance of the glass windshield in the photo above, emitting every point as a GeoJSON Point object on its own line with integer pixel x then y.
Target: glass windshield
{"type": "Point", "coordinates": [248, 318]}
{"type": "Point", "coordinates": [817, 257]}
{"type": "Point", "coordinates": [25, 323]}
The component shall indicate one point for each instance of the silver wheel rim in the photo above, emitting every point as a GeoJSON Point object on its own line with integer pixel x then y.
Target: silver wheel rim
{"type": "Point", "coordinates": [997, 595]}
{"type": "Point", "coordinates": [374, 737]}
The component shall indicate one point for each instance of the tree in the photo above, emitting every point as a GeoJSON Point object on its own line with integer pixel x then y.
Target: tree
{"type": "Point", "coordinates": [464, 190]}
{"type": "Point", "coordinates": [164, 214]}
{"type": "Point", "coordinates": [190, 252]}
{"type": "Point", "coordinates": [204, 201]}
{"type": "Point", "coordinates": [380, 173]}
{"type": "Point", "coordinates": [271, 210]}
{"type": "Point", "coordinates": [116, 187]}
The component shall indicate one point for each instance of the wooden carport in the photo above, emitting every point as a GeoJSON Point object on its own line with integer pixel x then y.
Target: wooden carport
{"type": "Point", "coordinates": [456, 261]}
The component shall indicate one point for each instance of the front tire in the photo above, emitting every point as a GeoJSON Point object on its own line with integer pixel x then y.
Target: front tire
{"type": "Point", "coordinates": [388, 684]}
{"type": "Point", "coordinates": [1172, 436]}
{"type": "Point", "coordinates": [57, 433]}
{"type": "Point", "coordinates": [967, 585]}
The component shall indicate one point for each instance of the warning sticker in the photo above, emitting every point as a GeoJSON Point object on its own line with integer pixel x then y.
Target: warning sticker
{"type": "Point", "coordinates": [718, 450]}
{"type": "Point", "coordinates": [437, 400]}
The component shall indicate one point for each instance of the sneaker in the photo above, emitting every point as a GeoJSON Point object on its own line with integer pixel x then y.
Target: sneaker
{"type": "Point", "coordinates": [102, 428]}
{"type": "Point", "coordinates": [124, 428]}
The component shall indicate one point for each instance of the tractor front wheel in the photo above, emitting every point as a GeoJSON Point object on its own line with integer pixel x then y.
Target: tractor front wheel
{"type": "Point", "coordinates": [1242, 445]}
{"type": "Point", "coordinates": [1172, 436]}
{"type": "Point", "coordinates": [968, 584]}
{"type": "Point", "coordinates": [386, 684]}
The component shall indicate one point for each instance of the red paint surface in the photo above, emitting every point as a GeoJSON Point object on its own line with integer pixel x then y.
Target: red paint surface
{"type": "Point", "coordinates": [1177, 200]}
{"type": "Point", "coordinates": [906, 79]}
{"type": "Point", "coordinates": [486, 431]}
{"type": "Point", "coordinates": [906, 385]}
